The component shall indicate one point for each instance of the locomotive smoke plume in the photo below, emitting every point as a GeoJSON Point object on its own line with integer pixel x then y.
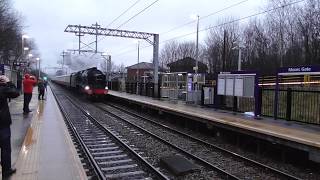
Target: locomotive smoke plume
{"type": "Point", "coordinates": [81, 62]}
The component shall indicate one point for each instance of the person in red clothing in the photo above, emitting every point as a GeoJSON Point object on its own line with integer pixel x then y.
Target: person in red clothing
{"type": "Point", "coordinates": [28, 83]}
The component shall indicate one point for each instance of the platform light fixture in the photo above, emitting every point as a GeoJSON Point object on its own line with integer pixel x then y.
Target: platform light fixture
{"type": "Point", "coordinates": [38, 59]}
{"type": "Point", "coordinates": [24, 36]}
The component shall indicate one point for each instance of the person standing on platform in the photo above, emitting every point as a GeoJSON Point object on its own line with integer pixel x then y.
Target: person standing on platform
{"type": "Point", "coordinates": [28, 83]}
{"type": "Point", "coordinates": [45, 84]}
{"type": "Point", "coordinates": [7, 90]}
{"type": "Point", "coordinates": [41, 88]}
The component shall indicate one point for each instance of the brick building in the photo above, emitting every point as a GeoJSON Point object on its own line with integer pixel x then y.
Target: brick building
{"type": "Point", "coordinates": [144, 70]}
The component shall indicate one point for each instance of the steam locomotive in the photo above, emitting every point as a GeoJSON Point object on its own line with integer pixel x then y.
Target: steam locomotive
{"type": "Point", "coordinates": [91, 82]}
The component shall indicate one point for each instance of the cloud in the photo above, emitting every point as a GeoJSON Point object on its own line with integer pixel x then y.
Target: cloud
{"type": "Point", "coordinates": [47, 19]}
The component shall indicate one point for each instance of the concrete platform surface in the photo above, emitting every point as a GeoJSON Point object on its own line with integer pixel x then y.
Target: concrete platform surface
{"type": "Point", "coordinates": [47, 151]}
{"type": "Point", "coordinates": [305, 134]}
{"type": "Point", "coordinates": [20, 122]}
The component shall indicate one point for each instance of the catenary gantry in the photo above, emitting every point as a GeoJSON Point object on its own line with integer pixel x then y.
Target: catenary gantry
{"type": "Point", "coordinates": [97, 30]}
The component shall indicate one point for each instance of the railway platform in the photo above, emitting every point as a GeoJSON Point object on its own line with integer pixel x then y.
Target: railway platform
{"type": "Point", "coordinates": [291, 134]}
{"type": "Point", "coordinates": [41, 145]}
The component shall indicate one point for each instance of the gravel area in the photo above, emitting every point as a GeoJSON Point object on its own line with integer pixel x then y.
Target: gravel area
{"type": "Point", "coordinates": [149, 147]}
{"type": "Point", "coordinates": [227, 162]}
{"type": "Point", "coordinates": [153, 149]}
{"type": "Point", "coordinates": [303, 173]}
{"type": "Point", "coordinates": [92, 135]}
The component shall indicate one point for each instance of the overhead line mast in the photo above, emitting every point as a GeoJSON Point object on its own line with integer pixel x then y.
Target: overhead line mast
{"type": "Point", "coordinates": [97, 30]}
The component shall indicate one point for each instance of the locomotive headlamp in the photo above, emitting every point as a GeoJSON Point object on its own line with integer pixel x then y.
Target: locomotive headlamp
{"type": "Point", "coordinates": [106, 88]}
{"type": "Point", "coordinates": [86, 87]}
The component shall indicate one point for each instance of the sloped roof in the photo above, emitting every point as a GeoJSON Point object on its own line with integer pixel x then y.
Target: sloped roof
{"type": "Point", "coordinates": [145, 66]}
{"type": "Point", "coordinates": [142, 65]}
{"type": "Point", "coordinates": [186, 65]}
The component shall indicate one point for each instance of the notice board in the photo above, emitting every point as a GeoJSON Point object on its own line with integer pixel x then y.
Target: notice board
{"type": "Point", "coordinates": [221, 85]}
{"type": "Point", "coordinates": [238, 91]}
{"type": "Point", "coordinates": [241, 85]}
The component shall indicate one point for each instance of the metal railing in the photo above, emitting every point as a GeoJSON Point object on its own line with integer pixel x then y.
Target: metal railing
{"type": "Point", "coordinates": [294, 105]}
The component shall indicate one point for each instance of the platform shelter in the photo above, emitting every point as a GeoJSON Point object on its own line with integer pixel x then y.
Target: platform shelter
{"type": "Point", "coordinates": [182, 86]}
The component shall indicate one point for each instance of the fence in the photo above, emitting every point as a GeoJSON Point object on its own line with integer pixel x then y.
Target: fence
{"type": "Point", "coordinates": [293, 105]}
{"type": "Point", "coordinates": [296, 105]}
{"type": "Point", "coordinates": [144, 89]}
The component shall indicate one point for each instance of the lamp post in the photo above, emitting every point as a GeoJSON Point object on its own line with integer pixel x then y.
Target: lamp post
{"type": "Point", "coordinates": [29, 56]}
{"type": "Point", "coordinates": [22, 45]}
{"type": "Point", "coordinates": [38, 59]}
{"type": "Point", "coordinates": [236, 99]}
{"type": "Point", "coordinates": [197, 18]}
{"type": "Point", "coordinates": [197, 45]}
{"type": "Point", "coordinates": [24, 36]}
{"type": "Point", "coordinates": [137, 91]}
{"type": "Point", "coordinates": [239, 59]}
{"type": "Point", "coordinates": [239, 55]}
{"type": "Point", "coordinates": [107, 62]}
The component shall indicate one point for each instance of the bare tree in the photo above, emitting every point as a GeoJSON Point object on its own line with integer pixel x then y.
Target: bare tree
{"type": "Point", "coordinates": [174, 51]}
{"type": "Point", "coordinates": [220, 47]}
{"type": "Point", "coordinates": [309, 27]}
{"type": "Point", "coordinates": [10, 30]}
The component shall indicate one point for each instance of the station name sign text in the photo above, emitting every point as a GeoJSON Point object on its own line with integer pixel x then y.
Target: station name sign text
{"type": "Point", "coordinates": [300, 69]}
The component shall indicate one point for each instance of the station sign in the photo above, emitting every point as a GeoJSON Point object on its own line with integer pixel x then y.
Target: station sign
{"type": "Point", "coordinates": [298, 70]}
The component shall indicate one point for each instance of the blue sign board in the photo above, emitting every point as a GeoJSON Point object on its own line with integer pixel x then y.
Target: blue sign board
{"type": "Point", "coordinates": [1, 69]}
{"type": "Point", "coordinates": [299, 69]}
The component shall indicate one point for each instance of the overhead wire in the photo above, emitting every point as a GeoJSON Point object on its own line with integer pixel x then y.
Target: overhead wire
{"type": "Point", "coordinates": [229, 22]}
{"type": "Point", "coordinates": [144, 9]}
{"type": "Point", "coordinates": [216, 12]}
{"type": "Point", "coordinates": [233, 21]}
{"type": "Point", "coordinates": [137, 14]}
{"type": "Point", "coordinates": [203, 17]}
{"type": "Point", "coordinates": [123, 13]}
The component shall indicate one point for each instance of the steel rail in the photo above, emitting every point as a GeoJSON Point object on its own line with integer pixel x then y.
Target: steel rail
{"type": "Point", "coordinates": [228, 175]}
{"type": "Point", "coordinates": [208, 144]}
{"type": "Point", "coordinates": [93, 163]}
{"type": "Point", "coordinates": [96, 122]}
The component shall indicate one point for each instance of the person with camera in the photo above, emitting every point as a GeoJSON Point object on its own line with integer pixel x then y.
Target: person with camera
{"type": "Point", "coordinates": [28, 83]}
{"type": "Point", "coordinates": [7, 90]}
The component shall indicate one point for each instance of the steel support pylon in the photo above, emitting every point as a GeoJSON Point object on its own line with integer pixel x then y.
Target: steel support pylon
{"type": "Point", "coordinates": [99, 31]}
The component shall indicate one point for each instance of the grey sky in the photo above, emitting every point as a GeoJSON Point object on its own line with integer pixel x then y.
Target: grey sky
{"type": "Point", "coordinates": [47, 19]}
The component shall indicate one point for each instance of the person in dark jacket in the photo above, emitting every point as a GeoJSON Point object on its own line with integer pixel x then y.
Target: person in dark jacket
{"type": "Point", "coordinates": [7, 90]}
{"type": "Point", "coordinates": [28, 83]}
{"type": "Point", "coordinates": [41, 88]}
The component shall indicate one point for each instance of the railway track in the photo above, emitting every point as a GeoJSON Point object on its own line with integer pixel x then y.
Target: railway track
{"type": "Point", "coordinates": [207, 170]}
{"type": "Point", "coordinates": [110, 157]}
{"type": "Point", "coordinates": [144, 127]}
{"type": "Point", "coordinates": [246, 169]}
